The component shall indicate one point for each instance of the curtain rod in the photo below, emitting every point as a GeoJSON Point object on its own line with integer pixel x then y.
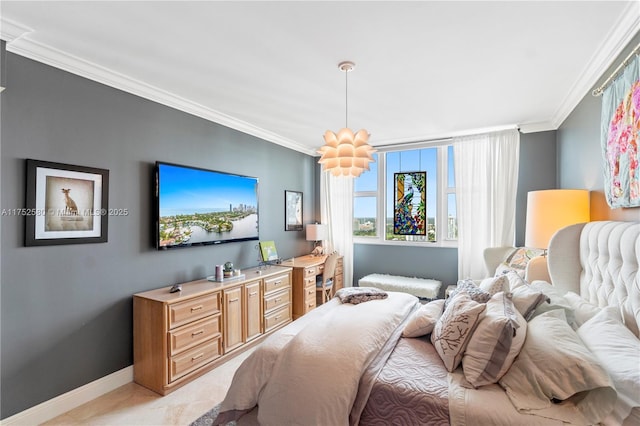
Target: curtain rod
{"type": "Point", "coordinates": [614, 74]}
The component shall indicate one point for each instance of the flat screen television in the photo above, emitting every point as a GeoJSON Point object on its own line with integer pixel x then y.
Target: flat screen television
{"type": "Point", "coordinates": [197, 206]}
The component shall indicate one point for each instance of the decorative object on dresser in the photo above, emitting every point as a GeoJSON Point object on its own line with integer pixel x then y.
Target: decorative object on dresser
{"type": "Point", "coordinates": [66, 204]}
{"type": "Point", "coordinates": [180, 336]}
{"type": "Point", "coordinates": [305, 271]}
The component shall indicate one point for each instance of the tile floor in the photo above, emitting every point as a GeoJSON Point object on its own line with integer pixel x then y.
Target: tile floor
{"type": "Point", "coordinates": [132, 404]}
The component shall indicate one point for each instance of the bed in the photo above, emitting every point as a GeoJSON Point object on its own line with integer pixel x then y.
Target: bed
{"type": "Point", "coordinates": [478, 360]}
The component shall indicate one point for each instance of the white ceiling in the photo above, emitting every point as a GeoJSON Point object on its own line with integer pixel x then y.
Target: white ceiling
{"type": "Point", "coordinates": [424, 69]}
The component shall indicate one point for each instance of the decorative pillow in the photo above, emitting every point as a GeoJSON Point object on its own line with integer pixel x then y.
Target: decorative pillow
{"type": "Point", "coordinates": [583, 310]}
{"type": "Point", "coordinates": [424, 319]}
{"type": "Point", "coordinates": [503, 269]}
{"type": "Point", "coordinates": [469, 287]}
{"type": "Point", "coordinates": [618, 349]}
{"type": "Point", "coordinates": [554, 365]}
{"type": "Point", "coordinates": [355, 295]}
{"type": "Point", "coordinates": [495, 343]}
{"type": "Point", "coordinates": [454, 328]}
{"type": "Point", "coordinates": [525, 298]}
{"type": "Point", "coordinates": [495, 285]}
{"type": "Point", "coordinates": [521, 256]}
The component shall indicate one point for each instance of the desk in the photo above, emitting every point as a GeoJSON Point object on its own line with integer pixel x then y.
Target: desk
{"type": "Point", "coordinates": [305, 270]}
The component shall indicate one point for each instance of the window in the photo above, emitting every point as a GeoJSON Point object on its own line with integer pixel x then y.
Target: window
{"type": "Point", "coordinates": [374, 202]}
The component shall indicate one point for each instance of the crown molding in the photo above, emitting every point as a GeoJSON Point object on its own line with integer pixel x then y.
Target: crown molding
{"type": "Point", "coordinates": [22, 46]}
{"type": "Point", "coordinates": [619, 37]}
{"type": "Point", "coordinates": [11, 30]}
{"type": "Point", "coordinates": [14, 33]}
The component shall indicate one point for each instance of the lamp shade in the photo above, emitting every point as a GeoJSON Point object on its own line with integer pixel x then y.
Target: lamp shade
{"type": "Point", "coordinates": [316, 232]}
{"type": "Point", "coordinates": [553, 209]}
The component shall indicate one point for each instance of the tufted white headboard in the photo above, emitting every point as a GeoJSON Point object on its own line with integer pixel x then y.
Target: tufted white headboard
{"type": "Point", "coordinates": [599, 261]}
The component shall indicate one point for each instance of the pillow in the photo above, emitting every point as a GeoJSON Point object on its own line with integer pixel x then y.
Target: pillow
{"type": "Point", "coordinates": [525, 298]}
{"type": "Point", "coordinates": [454, 328]}
{"type": "Point", "coordinates": [583, 311]}
{"type": "Point", "coordinates": [553, 365]}
{"type": "Point", "coordinates": [495, 285]}
{"type": "Point", "coordinates": [618, 349]}
{"type": "Point", "coordinates": [469, 287]}
{"type": "Point", "coordinates": [495, 343]}
{"type": "Point", "coordinates": [556, 301]}
{"type": "Point", "coordinates": [424, 319]}
{"type": "Point", "coordinates": [521, 256]}
{"type": "Point", "coordinates": [503, 269]}
{"type": "Point", "coordinates": [355, 295]}
{"type": "Point", "coordinates": [518, 260]}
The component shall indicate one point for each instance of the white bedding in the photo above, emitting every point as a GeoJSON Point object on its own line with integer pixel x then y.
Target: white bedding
{"type": "Point", "coordinates": [316, 370]}
{"type": "Point", "coordinates": [310, 372]}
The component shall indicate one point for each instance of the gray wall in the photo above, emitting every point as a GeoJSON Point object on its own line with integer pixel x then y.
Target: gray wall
{"type": "Point", "coordinates": [580, 153]}
{"type": "Point", "coordinates": [66, 311]}
{"type": "Point", "coordinates": [537, 170]}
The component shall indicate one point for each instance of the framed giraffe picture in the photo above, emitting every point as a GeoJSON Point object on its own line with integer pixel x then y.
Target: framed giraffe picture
{"type": "Point", "coordinates": [65, 204]}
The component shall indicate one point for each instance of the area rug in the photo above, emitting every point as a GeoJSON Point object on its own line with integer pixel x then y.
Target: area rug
{"type": "Point", "coordinates": [207, 418]}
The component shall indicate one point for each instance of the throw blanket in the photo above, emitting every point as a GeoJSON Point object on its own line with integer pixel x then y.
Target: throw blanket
{"type": "Point", "coordinates": [355, 295]}
{"type": "Point", "coordinates": [319, 369]}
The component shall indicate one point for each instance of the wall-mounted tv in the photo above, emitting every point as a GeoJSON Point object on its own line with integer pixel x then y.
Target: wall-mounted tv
{"type": "Point", "coordinates": [197, 206]}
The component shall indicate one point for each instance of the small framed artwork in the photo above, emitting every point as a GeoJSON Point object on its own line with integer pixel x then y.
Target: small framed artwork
{"type": "Point", "coordinates": [65, 204]}
{"type": "Point", "coordinates": [292, 211]}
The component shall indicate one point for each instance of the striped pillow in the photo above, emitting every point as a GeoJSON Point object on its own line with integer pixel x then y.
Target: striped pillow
{"type": "Point", "coordinates": [495, 343]}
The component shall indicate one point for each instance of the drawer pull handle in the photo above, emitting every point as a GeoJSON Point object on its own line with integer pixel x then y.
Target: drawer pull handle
{"type": "Point", "coordinates": [277, 282]}
{"type": "Point", "coordinates": [196, 308]}
{"type": "Point", "coordinates": [277, 317]}
{"type": "Point", "coordinates": [278, 299]}
{"type": "Point", "coordinates": [310, 305]}
{"type": "Point", "coordinates": [196, 357]}
{"type": "Point", "coordinates": [253, 294]}
{"type": "Point", "coordinates": [196, 333]}
{"type": "Point", "coordinates": [234, 300]}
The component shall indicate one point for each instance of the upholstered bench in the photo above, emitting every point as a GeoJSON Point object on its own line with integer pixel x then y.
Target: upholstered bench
{"type": "Point", "coordinates": [420, 287]}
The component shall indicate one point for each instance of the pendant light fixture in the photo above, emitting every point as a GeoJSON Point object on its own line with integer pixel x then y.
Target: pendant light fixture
{"type": "Point", "coordinates": [346, 153]}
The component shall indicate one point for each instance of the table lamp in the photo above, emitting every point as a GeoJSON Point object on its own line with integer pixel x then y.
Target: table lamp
{"type": "Point", "coordinates": [547, 212]}
{"type": "Point", "coordinates": [316, 232]}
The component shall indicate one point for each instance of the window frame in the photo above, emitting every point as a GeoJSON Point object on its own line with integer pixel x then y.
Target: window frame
{"type": "Point", "coordinates": [442, 193]}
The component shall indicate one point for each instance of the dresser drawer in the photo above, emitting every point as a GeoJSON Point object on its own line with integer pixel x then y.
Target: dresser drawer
{"type": "Point", "coordinates": [309, 301]}
{"type": "Point", "coordinates": [276, 318]}
{"type": "Point", "coordinates": [193, 309]}
{"type": "Point", "coordinates": [194, 358]}
{"type": "Point", "coordinates": [277, 299]}
{"type": "Point", "coordinates": [309, 282]}
{"type": "Point", "coordinates": [193, 334]}
{"type": "Point", "coordinates": [276, 283]}
{"type": "Point", "coordinates": [309, 272]}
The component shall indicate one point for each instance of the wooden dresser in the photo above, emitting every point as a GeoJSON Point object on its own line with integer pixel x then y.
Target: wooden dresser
{"type": "Point", "coordinates": [180, 336]}
{"type": "Point", "coordinates": [305, 270]}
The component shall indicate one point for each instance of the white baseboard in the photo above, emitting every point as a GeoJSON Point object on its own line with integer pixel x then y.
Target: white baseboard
{"type": "Point", "coordinates": [70, 400]}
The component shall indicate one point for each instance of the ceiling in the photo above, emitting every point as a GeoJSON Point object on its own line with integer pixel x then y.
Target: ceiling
{"type": "Point", "coordinates": [424, 69]}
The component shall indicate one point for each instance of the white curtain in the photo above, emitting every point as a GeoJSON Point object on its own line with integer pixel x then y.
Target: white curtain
{"type": "Point", "coordinates": [486, 174]}
{"type": "Point", "coordinates": [336, 210]}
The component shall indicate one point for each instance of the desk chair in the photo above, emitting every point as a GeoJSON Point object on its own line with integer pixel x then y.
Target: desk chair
{"type": "Point", "coordinates": [324, 282]}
